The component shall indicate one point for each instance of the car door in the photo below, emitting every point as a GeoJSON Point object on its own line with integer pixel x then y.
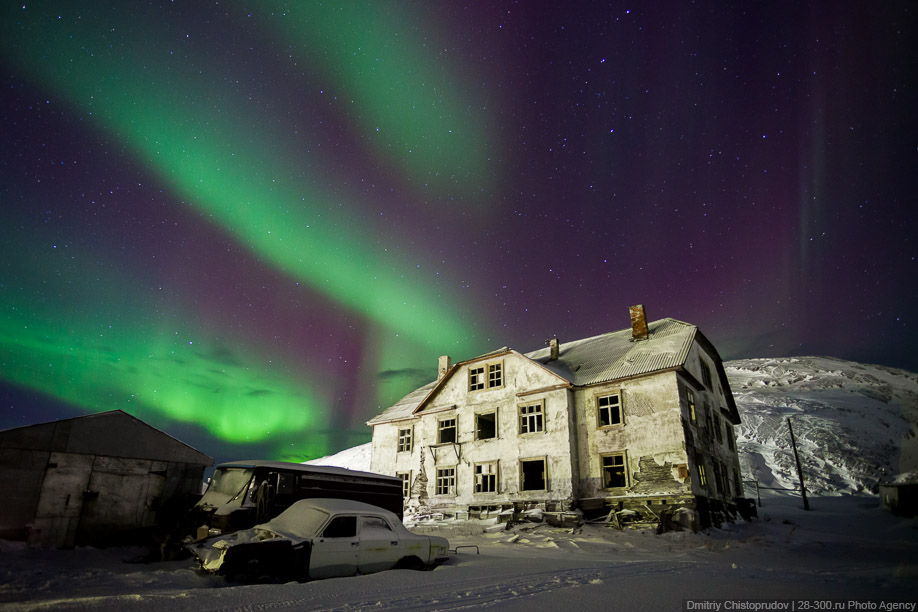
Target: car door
{"type": "Point", "coordinates": [380, 548]}
{"type": "Point", "coordinates": [334, 551]}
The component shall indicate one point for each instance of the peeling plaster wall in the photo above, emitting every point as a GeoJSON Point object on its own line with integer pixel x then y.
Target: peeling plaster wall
{"type": "Point", "coordinates": [651, 438]}
{"type": "Point", "coordinates": [555, 444]}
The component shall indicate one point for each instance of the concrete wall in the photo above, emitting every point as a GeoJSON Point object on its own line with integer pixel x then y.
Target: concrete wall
{"type": "Point", "coordinates": [650, 437]}
{"type": "Point", "coordinates": [701, 435]}
{"type": "Point", "coordinates": [96, 480]}
{"type": "Point", "coordinates": [554, 443]}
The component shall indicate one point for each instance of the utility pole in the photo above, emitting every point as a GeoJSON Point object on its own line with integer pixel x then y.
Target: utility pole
{"type": "Point", "coordinates": [806, 504]}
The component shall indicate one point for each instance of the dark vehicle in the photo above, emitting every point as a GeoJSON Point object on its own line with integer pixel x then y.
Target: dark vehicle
{"type": "Point", "coordinates": [320, 538]}
{"type": "Point", "coordinates": [245, 493]}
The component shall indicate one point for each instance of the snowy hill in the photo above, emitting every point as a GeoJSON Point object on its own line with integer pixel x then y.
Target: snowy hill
{"type": "Point", "coordinates": [855, 424]}
{"type": "Point", "coordinates": [356, 458]}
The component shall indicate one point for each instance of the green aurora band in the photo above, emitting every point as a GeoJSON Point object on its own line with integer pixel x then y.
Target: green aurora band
{"type": "Point", "coordinates": [218, 154]}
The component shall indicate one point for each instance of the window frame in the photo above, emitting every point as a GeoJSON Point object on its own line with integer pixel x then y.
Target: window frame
{"type": "Point", "coordinates": [496, 428]}
{"type": "Point", "coordinates": [445, 484]}
{"type": "Point", "coordinates": [706, 375]}
{"type": "Point", "coordinates": [455, 427]}
{"type": "Point", "coordinates": [538, 416]}
{"type": "Point", "coordinates": [486, 376]}
{"type": "Point", "coordinates": [522, 480]}
{"type": "Point", "coordinates": [493, 476]}
{"type": "Point", "coordinates": [699, 469]}
{"type": "Point", "coordinates": [621, 411]}
{"type": "Point", "coordinates": [406, 483]}
{"type": "Point", "coordinates": [409, 446]}
{"type": "Point", "coordinates": [623, 455]}
{"type": "Point", "coordinates": [690, 402]}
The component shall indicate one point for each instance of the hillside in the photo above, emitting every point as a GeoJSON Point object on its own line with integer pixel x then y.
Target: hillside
{"type": "Point", "coordinates": [855, 424]}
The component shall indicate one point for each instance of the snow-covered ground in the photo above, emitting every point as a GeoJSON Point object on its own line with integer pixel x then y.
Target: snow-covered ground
{"type": "Point", "coordinates": [855, 425]}
{"type": "Point", "coordinates": [846, 548]}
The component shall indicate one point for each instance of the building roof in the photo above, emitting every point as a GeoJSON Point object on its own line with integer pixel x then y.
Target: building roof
{"type": "Point", "coordinates": [604, 358]}
{"type": "Point", "coordinates": [114, 433]}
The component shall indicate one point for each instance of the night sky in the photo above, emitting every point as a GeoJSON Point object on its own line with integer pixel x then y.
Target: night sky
{"type": "Point", "coordinates": [256, 225]}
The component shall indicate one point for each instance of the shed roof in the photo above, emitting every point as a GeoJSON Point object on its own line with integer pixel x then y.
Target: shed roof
{"type": "Point", "coordinates": [114, 433]}
{"type": "Point", "coordinates": [604, 358]}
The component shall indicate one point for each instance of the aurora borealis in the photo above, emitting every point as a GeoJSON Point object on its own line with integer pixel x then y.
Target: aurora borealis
{"type": "Point", "coordinates": [255, 226]}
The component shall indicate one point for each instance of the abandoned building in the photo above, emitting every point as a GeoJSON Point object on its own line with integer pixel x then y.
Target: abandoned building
{"type": "Point", "coordinates": [638, 420]}
{"type": "Point", "coordinates": [98, 480]}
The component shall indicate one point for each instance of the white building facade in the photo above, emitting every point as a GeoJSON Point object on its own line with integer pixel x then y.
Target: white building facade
{"type": "Point", "coordinates": [636, 419]}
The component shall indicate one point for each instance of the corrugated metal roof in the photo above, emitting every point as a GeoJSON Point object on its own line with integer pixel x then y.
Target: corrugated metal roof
{"type": "Point", "coordinates": [615, 355]}
{"type": "Point", "coordinates": [603, 358]}
{"type": "Point", "coordinates": [404, 407]}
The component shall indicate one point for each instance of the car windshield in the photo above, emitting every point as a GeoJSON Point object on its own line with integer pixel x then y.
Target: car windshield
{"type": "Point", "coordinates": [298, 521]}
{"type": "Point", "coordinates": [227, 484]}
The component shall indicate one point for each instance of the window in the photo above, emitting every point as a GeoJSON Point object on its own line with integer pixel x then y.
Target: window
{"type": "Point", "coordinates": [486, 477]}
{"type": "Point", "coordinates": [731, 436]}
{"type": "Point", "coordinates": [609, 410]}
{"type": "Point", "coordinates": [495, 375]}
{"type": "Point", "coordinates": [702, 477]}
{"type": "Point", "coordinates": [375, 526]}
{"type": "Point", "coordinates": [708, 417]}
{"type": "Point", "coordinates": [613, 471]}
{"type": "Point", "coordinates": [706, 375]}
{"type": "Point", "coordinates": [690, 400]}
{"type": "Point", "coordinates": [486, 425]}
{"type": "Point", "coordinates": [446, 481]}
{"type": "Point", "coordinates": [447, 431]}
{"type": "Point", "coordinates": [404, 440]}
{"type": "Point", "coordinates": [406, 483]}
{"type": "Point", "coordinates": [532, 475]}
{"type": "Point", "coordinates": [494, 378]}
{"type": "Point", "coordinates": [718, 429]}
{"type": "Point", "coordinates": [341, 527]}
{"type": "Point", "coordinates": [718, 478]}
{"type": "Point", "coordinates": [476, 378]}
{"type": "Point", "coordinates": [531, 418]}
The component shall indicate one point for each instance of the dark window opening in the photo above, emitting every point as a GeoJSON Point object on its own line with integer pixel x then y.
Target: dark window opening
{"type": "Point", "coordinates": [447, 431]}
{"type": "Point", "coordinates": [533, 475]}
{"type": "Point", "coordinates": [613, 471]}
{"type": "Point", "coordinates": [610, 410]}
{"type": "Point", "coordinates": [486, 426]}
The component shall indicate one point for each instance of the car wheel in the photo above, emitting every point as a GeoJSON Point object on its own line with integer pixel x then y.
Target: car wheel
{"type": "Point", "coordinates": [412, 563]}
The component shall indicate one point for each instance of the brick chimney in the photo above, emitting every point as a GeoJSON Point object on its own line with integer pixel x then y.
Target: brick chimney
{"type": "Point", "coordinates": [554, 349]}
{"type": "Point", "coordinates": [638, 323]}
{"type": "Point", "coordinates": [443, 366]}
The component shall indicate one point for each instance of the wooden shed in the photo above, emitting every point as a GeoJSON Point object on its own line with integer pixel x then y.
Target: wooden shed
{"type": "Point", "coordinates": [98, 480]}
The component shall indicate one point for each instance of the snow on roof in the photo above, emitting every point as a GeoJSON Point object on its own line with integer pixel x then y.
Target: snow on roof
{"type": "Point", "coordinates": [603, 358]}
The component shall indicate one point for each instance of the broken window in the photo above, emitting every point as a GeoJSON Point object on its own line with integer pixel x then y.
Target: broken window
{"type": "Point", "coordinates": [476, 378]}
{"type": "Point", "coordinates": [531, 418]}
{"type": "Point", "coordinates": [404, 440]}
{"type": "Point", "coordinates": [446, 481]}
{"type": "Point", "coordinates": [690, 400]}
{"type": "Point", "coordinates": [532, 475]}
{"type": "Point", "coordinates": [486, 425]}
{"type": "Point", "coordinates": [613, 471]}
{"type": "Point", "coordinates": [341, 527]}
{"type": "Point", "coordinates": [447, 431]}
{"type": "Point", "coordinates": [609, 410]}
{"type": "Point", "coordinates": [495, 375]}
{"type": "Point", "coordinates": [486, 477]}
{"type": "Point", "coordinates": [406, 483]}
{"type": "Point", "coordinates": [706, 375]}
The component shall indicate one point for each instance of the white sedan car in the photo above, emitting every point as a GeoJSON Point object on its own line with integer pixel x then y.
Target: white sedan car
{"type": "Point", "coordinates": [320, 538]}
